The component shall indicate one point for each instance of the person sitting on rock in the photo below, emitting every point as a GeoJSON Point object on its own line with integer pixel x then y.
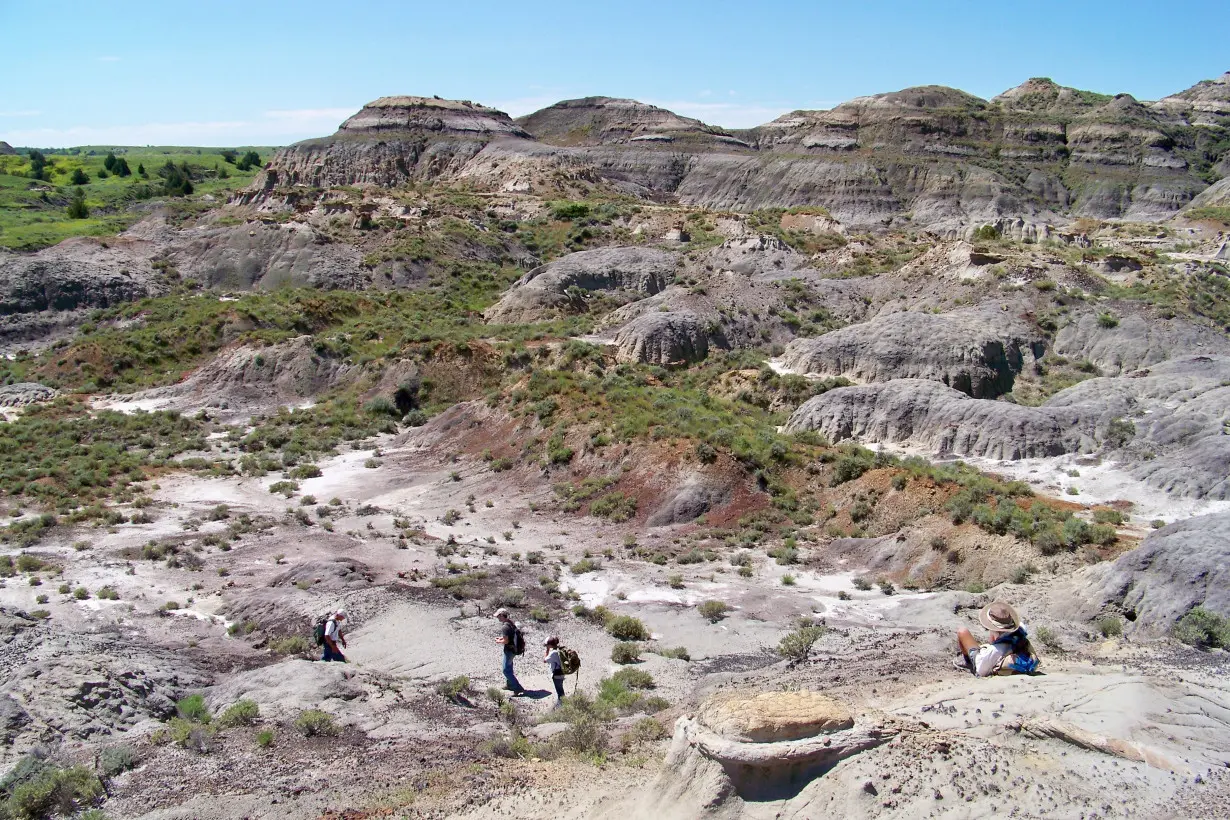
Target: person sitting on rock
{"type": "Point", "coordinates": [333, 636]}
{"type": "Point", "coordinates": [1009, 651]}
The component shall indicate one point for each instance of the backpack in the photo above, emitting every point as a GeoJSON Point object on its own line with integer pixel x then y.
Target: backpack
{"type": "Point", "coordinates": [518, 645]}
{"type": "Point", "coordinates": [569, 661]}
{"type": "Point", "coordinates": [318, 631]}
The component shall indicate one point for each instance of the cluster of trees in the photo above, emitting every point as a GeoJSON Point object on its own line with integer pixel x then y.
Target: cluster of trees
{"type": "Point", "coordinates": [76, 205]}
{"type": "Point", "coordinates": [38, 165]}
{"type": "Point", "coordinates": [115, 165]}
{"type": "Point", "coordinates": [176, 179]}
{"type": "Point", "coordinates": [247, 162]}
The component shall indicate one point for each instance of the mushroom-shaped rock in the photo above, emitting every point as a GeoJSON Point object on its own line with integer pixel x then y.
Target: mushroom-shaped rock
{"type": "Point", "coordinates": [662, 338]}
{"type": "Point", "coordinates": [759, 746]}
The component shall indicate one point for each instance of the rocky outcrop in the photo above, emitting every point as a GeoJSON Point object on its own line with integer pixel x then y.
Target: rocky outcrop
{"type": "Point", "coordinates": [662, 338]}
{"type": "Point", "coordinates": [978, 351]}
{"type": "Point", "coordinates": [1136, 341]}
{"type": "Point", "coordinates": [1177, 568]}
{"type": "Point", "coordinates": [78, 273]}
{"type": "Point", "coordinates": [1166, 425]}
{"type": "Point", "coordinates": [693, 499]}
{"type": "Point", "coordinates": [757, 746]}
{"type": "Point", "coordinates": [610, 121]}
{"type": "Point", "coordinates": [6, 150]}
{"type": "Point", "coordinates": [24, 393]}
{"type": "Point", "coordinates": [258, 255]}
{"type": "Point", "coordinates": [929, 415]}
{"type": "Point", "coordinates": [563, 285]}
{"type": "Point", "coordinates": [251, 379]}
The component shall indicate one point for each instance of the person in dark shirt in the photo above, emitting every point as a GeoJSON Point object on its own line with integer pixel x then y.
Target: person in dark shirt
{"type": "Point", "coordinates": [508, 637]}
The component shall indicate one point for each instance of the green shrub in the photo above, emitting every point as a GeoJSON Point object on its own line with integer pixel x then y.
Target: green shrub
{"type": "Point", "coordinates": [862, 584]}
{"type": "Point", "coordinates": [51, 791]}
{"type": "Point", "coordinates": [316, 723]}
{"type": "Point", "coordinates": [81, 594]}
{"type": "Point", "coordinates": [796, 645]}
{"type": "Point", "coordinates": [614, 506]}
{"type": "Point", "coordinates": [306, 470]}
{"type": "Point", "coordinates": [986, 233]}
{"type": "Point", "coordinates": [1048, 638]}
{"type": "Point", "coordinates": [1110, 626]}
{"type": "Point", "coordinates": [626, 652]}
{"type": "Point", "coordinates": [1108, 320]}
{"type": "Point", "coordinates": [584, 565]}
{"type": "Point", "coordinates": [633, 678]}
{"type": "Point", "coordinates": [645, 730]}
{"type": "Point", "coordinates": [627, 628]}
{"type": "Point", "coordinates": [676, 652]}
{"type": "Point", "coordinates": [540, 614]}
{"type": "Point", "coordinates": [510, 597]}
{"type": "Point", "coordinates": [264, 738]}
{"type": "Point", "coordinates": [115, 760]}
{"type": "Point", "coordinates": [713, 611]}
{"type": "Point", "coordinates": [240, 713]}
{"type": "Point", "coordinates": [294, 645]}
{"type": "Point", "coordinates": [788, 580]}
{"type": "Point", "coordinates": [455, 689]}
{"type": "Point", "coordinates": [1203, 629]}
{"type": "Point", "coordinates": [193, 708]}
{"type": "Point", "coordinates": [1107, 516]}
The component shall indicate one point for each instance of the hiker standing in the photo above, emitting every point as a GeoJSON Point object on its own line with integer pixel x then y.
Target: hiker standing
{"type": "Point", "coordinates": [556, 665]}
{"type": "Point", "coordinates": [1009, 651]}
{"type": "Point", "coordinates": [511, 638]}
{"type": "Point", "coordinates": [334, 635]}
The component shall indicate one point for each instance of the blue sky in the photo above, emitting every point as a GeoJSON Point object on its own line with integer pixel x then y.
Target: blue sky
{"type": "Point", "coordinates": [230, 73]}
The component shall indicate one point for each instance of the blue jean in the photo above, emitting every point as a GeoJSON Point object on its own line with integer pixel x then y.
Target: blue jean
{"type": "Point", "coordinates": [510, 677]}
{"type": "Point", "coordinates": [559, 686]}
{"type": "Point", "coordinates": [332, 653]}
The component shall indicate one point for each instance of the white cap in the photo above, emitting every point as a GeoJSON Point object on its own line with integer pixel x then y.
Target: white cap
{"type": "Point", "coordinates": [501, 611]}
{"type": "Point", "coordinates": [341, 613]}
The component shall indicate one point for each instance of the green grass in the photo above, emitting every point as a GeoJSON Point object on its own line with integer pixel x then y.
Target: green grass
{"type": "Point", "coordinates": [33, 212]}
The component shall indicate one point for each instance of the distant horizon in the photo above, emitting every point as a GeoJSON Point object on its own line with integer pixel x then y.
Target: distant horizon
{"type": "Point", "coordinates": [227, 74]}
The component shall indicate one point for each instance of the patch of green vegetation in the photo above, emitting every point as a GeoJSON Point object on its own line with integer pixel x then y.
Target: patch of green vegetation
{"type": "Point", "coordinates": [316, 723]}
{"type": "Point", "coordinates": [1203, 629]}
{"type": "Point", "coordinates": [1218, 214]}
{"type": "Point", "coordinates": [240, 713]}
{"type": "Point", "coordinates": [34, 207]}
{"type": "Point", "coordinates": [35, 789]}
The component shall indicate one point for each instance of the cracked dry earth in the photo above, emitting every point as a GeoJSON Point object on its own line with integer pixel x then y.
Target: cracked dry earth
{"type": "Point", "coordinates": [1112, 729]}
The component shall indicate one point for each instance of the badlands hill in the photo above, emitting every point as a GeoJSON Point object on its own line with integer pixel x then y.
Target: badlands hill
{"type": "Point", "coordinates": [931, 156]}
{"type": "Point", "coordinates": [754, 421]}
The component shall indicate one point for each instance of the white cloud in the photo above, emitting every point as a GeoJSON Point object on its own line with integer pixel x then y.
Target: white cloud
{"type": "Point", "coordinates": [26, 113]}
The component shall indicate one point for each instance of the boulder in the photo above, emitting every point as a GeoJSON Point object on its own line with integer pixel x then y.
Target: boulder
{"type": "Point", "coordinates": [662, 338]}
{"type": "Point", "coordinates": [693, 499]}
{"type": "Point", "coordinates": [978, 351]}
{"type": "Point", "coordinates": [23, 393]}
{"type": "Point", "coordinates": [769, 717]}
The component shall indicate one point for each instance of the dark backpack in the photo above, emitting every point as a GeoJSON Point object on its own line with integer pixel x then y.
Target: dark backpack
{"type": "Point", "coordinates": [318, 631]}
{"type": "Point", "coordinates": [569, 660]}
{"type": "Point", "coordinates": [518, 644]}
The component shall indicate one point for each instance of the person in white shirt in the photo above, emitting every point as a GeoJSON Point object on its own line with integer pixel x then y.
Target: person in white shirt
{"type": "Point", "coordinates": [334, 634]}
{"type": "Point", "coordinates": [1009, 651]}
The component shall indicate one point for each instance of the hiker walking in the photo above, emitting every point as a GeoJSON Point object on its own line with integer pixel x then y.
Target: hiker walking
{"type": "Point", "coordinates": [514, 645]}
{"type": "Point", "coordinates": [556, 665]}
{"type": "Point", "coordinates": [1009, 651]}
{"type": "Point", "coordinates": [334, 634]}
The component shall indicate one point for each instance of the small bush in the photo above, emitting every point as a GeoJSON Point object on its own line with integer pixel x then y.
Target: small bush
{"type": "Point", "coordinates": [1203, 629]}
{"type": "Point", "coordinates": [294, 645]}
{"type": "Point", "coordinates": [455, 689]}
{"type": "Point", "coordinates": [115, 760]}
{"type": "Point", "coordinates": [1048, 638]}
{"type": "Point", "coordinates": [583, 566]}
{"type": "Point", "coordinates": [1108, 320]}
{"type": "Point", "coordinates": [540, 614]}
{"type": "Point", "coordinates": [626, 652]}
{"type": "Point", "coordinates": [315, 723]}
{"type": "Point", "coordinates": [627, 628]}
{"type": "Point", "coordinates": [81, 594]}
{"type": "Point", "coordinates": [264, 738]}
{"type": "Point", "coordinates": [108, 594]}
{"type": "Point", "coordinates": [193, 708]}
{"type": "Point", "coordinates": [48, 790]}
{"type": "Point", "coordinates": [713, 611]}
{"type": "Point", "coordinates": [633, 678]}
{"type": "Point", "coordinates": [645, 730]}
{"type": "Point", "coordinates": [240, 713]}
{"type": "Point", "coordinates": [796, 645]}
{"type": "Point", "coordinates": [862, 584]}
{"type": "Point", "coordinates": [511, 597]}
{"type": "Point", "coordinates": [1110, 626]}
{"type": "Point", "coordinates": [677, 652]}
{"type": "Point", "coordinates": [675, 582]}
{"type": "Point", "coordinates": [886, 586]}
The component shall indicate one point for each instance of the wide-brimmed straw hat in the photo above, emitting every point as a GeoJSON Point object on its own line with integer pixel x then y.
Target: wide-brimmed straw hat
{"type": "Point", "coordinates": [999, 617]}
